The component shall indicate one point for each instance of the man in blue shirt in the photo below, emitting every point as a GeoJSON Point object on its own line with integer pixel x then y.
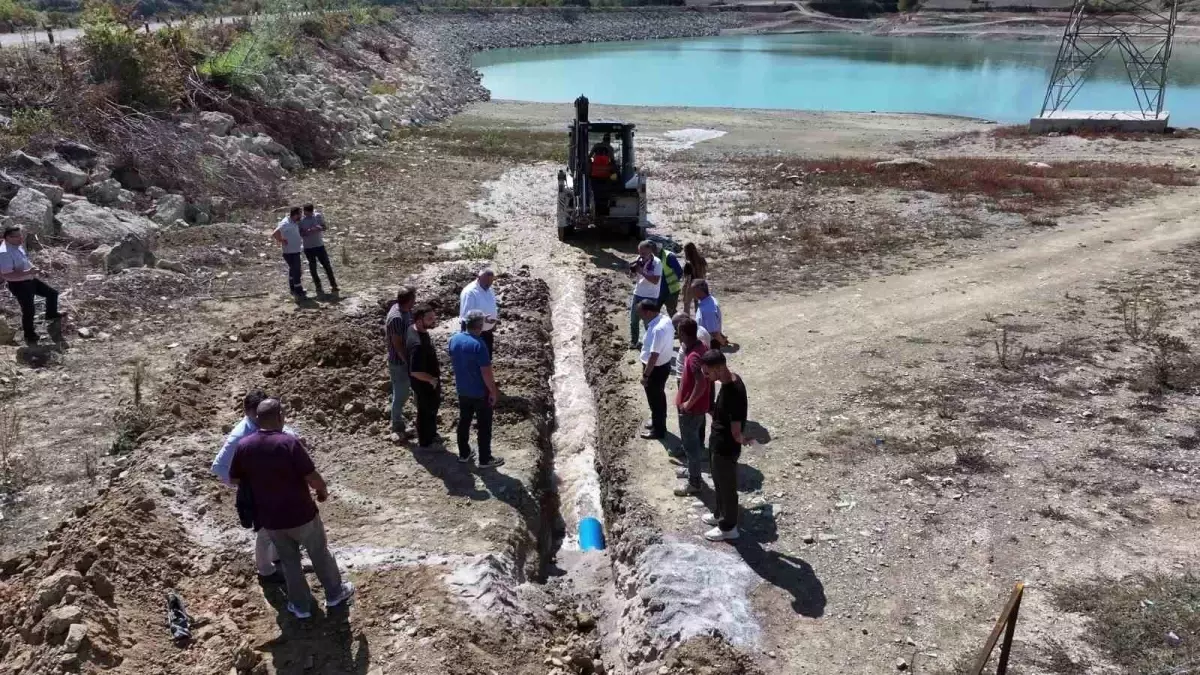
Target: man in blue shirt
{"type": "Point", "coordinates": [477, 394]}
{"type": "Point", "coordinates": [708, 313]}
{"type": "Point", "coordinates": [265, 557]}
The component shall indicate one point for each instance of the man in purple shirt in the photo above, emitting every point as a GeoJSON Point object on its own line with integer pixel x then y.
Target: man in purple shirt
{"type": "Point", "coordinates": [279, 473]}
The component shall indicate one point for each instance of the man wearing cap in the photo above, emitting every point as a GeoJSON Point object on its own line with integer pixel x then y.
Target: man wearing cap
{"type": "Point", "coordinates": [478, 295]}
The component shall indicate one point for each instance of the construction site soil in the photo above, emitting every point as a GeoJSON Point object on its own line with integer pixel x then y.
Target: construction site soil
{"type": "Point", "coordinates": [110, 566]}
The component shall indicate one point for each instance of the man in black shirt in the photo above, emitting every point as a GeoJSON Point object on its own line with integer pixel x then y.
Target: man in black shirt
{"type": "Point", "coordinates": [425, 373]}
{"type": "Point", "coordinates": [725, 443]}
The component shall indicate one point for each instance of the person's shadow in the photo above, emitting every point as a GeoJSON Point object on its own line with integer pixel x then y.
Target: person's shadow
{"type": "Point", "coordinates": [442, 462]}
{"type": "Point", "coordinates": [324, 643]}
{"type": "Point", "coordinates": [785, 572]}
{"type": "Point", "coordinates": [753, 431]}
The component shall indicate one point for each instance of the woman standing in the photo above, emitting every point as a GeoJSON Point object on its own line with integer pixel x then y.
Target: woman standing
{"type": "Point", "coordinates": [694, 267]}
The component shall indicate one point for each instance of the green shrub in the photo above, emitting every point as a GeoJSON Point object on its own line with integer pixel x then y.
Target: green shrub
{"type": "Point", "coordinates": [145, 69]}
{"type": "Point", "coordinates": [381, 88]}
{"type": "Point", "coordinates": [13, 15]}
{"type": "Point", "coordinates": [27, 122]}
{"type": "Point", "coordinates": [238, 67]}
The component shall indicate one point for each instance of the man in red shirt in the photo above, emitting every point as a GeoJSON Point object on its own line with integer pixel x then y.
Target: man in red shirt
{"type": "Point", "coordinates": [692, 400]}
{"type": "Point", "coordinates": [279, 473]}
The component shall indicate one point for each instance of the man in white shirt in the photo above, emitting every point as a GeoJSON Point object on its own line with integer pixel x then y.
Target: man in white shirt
{"type": "Point", "coordinates": [657, 351]}
{"type": "Point", "coordinates": [479, 295]}
{"type": "Point", "coordinates": [287, 233]}
{"type": "Point", "coordinates": [24, 284]}
{"type": "Point", "coordinates": [265, 557]}
{"type": "Point", "coordinates": [647, 271]}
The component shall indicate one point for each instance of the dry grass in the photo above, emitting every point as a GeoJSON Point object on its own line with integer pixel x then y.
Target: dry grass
{"type": "Point", "coordinates": [515, 145]}
{"type": "Point", "coordinates": [134, 417]}
{"type": "Point", "coordinates": [1130, 619]}
{"type": "Point", "coordinates": [20, 463]}
{"type": "Point", "coordinates": [1142, 312]}
{"type": "Point", "coordinates": [1011, 185]}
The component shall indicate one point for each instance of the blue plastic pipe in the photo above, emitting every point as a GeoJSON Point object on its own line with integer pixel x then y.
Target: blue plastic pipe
{"type": "Point", "coordinates": [591, 535]}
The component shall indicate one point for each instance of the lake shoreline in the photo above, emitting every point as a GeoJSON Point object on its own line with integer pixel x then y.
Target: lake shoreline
{"type": "Point", "coordinates": [748, 132]}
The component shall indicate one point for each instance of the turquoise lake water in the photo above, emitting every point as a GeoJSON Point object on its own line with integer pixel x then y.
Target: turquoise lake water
{"type": "Point", "coordinates": [1002, 80]}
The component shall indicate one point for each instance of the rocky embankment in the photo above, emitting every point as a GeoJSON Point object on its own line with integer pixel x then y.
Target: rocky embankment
{"type": "Point", "coordinates": [371, 82]}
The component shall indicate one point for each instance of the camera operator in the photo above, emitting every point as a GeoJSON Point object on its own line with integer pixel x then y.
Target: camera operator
{"type": "Point", "coordinates": [647, 271]}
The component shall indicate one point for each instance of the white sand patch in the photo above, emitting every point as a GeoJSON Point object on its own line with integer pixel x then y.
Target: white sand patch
{"type": "Point", "coordinates": [701, 589]}
{"type": "Point", "coordinates": [693, 136]}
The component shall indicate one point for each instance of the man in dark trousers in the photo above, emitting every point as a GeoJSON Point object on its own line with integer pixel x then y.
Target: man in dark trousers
{"type": "Point", "coordinates": [724, 445]}
{"type": "Point", "coordinates": [658, 348]}
{"type": "Point", "coordinates": [426, 375]}
{"type": "Point", "coordinates": [396, 325]}
{"type": "Point", "coordinates": [24, 284]}
{"type": "Point", "coordinates": [287, 233]}
{"type": "Point", "coordinates": [692, 402]}
{"type": "Point", "coordinates": [279, 473]}
{"type": "Point", "coordinates": [312, 228]}
{"type": "Point", "coordinates": [477, 393]}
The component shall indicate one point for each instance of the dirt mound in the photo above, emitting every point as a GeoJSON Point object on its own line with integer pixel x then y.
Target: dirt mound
{"type": "Point", "coordinates": [334, 370]}
{"type": "Point", "coordinates": [93, 597]}
{"type": "Point", "coordinates": [710, 656]}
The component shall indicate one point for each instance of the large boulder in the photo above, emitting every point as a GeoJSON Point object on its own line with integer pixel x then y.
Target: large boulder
{"type": "Point", "coordinates": [130, 178]}
{"type": "Point", "coordinates": [131, 251]}
{"type": "Point", "coordinates": [51, 589]}
{"type": "Point", "coordinates": [78, 154]}
{"type": "Point", "coordinates": [216, 123]}
{"type": "Point", "coordinates": [105, 192]}
{"type": "Point", "coordinates": [65, 173]}
{"type": "Point", "coordinates": [53, 192]}
{"type": "Point", "coordinates": [9, 187]}
{"type": "Point", "coordinates": [33, 211]}
{"type": "Point", "coordinates": [87, 224]}
{"type": "Point", "coordinates": [61, 618]}
{"type": "Point", "coordinates": [76, 634]}
{"type": "Point", "coordinates": [21, 160]}
{"type": "Point", "coordinates": [170, 208]}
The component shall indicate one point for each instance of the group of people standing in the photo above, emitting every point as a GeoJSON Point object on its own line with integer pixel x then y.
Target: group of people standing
{"type": "Point", "coordinates": [414, 370]}
{"type": "Point", "coordinates": [700, 365]}
{"type": "Point", "coordinates": [301, 232]}
{"type": "Point", "coordinates": [276, 480]}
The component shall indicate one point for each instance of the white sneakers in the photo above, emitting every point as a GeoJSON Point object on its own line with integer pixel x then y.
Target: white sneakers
{"type": "Point", "coordinates": [297, 613]}
{"type": "Point", "coordinates": [345, 595]}
{"type": "Point", "coordinates": [716, 533]}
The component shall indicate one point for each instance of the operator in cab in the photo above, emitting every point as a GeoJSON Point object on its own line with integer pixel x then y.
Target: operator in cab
{"type": "Point", "coordinates": [603, 162]}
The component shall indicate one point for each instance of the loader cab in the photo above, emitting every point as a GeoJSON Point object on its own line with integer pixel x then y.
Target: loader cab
{"type": "Point", "coordinates": [610, 193]}
{"type": "Point", "coordinates": [621, 139]}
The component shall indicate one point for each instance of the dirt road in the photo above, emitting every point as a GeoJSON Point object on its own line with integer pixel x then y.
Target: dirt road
{"type": "Point", "coordinates": [848, 563]}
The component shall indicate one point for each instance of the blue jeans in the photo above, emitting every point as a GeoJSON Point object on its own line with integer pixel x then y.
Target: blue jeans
{"type": "Point", "coordinates": [691, 432]}
{"type": "Point", "coordinates": [401, 385]}
{"type": "Point", "coordinates": [635, 319]}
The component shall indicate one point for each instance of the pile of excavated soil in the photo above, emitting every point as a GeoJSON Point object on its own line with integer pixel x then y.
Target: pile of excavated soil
{"type": "Point", "coordinates": [334, 371]}
{"type": "Point", "coordinates": [93, 598]}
